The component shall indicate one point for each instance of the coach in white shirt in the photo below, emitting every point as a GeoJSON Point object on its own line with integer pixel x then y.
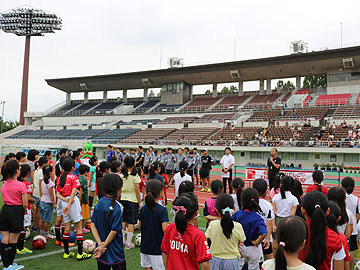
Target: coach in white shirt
{"type": "Point", "coordinates": [227, 162]}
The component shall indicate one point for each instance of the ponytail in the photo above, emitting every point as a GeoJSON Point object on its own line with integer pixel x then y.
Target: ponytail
{"type": "Point", "coordinates": [46, 172]}
{"type": "Point", "coordinates": [286, 185]}
{"type": "Point", "coordinates": [238, 184]}
{"type": "Point", "coordinates": [319, 187]}
{"type": "Point", "coordinates": [316, 205]}
{"type": "Point", "coordinates": [224, 204]}
{"type": "Point", "coordinates": [129, 162]}
{"type": "Point", "coordinates": [153, 190]}
{"type": "Point", "coordinates": [183, 165]}
{"type": "Point", "coordinates": [111, 184]}
{"type": "Point", "coordinates": [238, 196]}
{"type": "Point", "coordinates": [186, 206]}
{"type": "Point", "coordinates": [111, 208]}
{"type": "Point", "coordinates": [280, 258]}
{"type": "Point", "coordinates": [67, 165]}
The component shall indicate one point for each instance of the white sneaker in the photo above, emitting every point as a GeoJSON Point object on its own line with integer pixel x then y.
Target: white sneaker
{"type": "Point", "coordinates": [129, 246]}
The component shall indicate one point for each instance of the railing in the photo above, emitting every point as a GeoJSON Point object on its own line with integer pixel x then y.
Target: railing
{"type": "Point", "coordinates": [332, 102]}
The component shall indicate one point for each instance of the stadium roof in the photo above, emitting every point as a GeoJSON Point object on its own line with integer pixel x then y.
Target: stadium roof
{"type": "Point", "coordinates": [286, 66]}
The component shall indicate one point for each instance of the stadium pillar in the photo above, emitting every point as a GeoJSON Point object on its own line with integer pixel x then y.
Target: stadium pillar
{"type": "Point", "coordinates": [25, 82]}
{"type": "Point", "coordinates": [86, 97]}
{"type": "Point", "coordinates": [68, 98]}
{"type": "Point", "coordinates": [262, 92]}
{"type": "Point", "coordinates": [298, 82]}
{"type": "Point", "coordinates": [241, 88]}
{"type": "Point", "coordinates": [268, 86]}
{"type": "Point", "coordinates": [214, 92]}
{"type": "Point", "coordinates": [146, 97]}
{"type": "Point", "coordinates": [125, 95]}
{"type": "Point", "coordinates": [191, 92]}
{"type": "Point", "coordinates": [105, 95]}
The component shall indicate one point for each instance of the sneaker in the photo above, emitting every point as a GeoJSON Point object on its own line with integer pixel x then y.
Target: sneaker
{"type": "Point", "coordinates": [129, 246]}
{"type": "Point", "coordinates": [86, 230]}
{"type": "Point", "coordinates": [203, 190]}
{"type": "Point", "coordinates": [24, 251]}
{"type": "Point", "coordinates": [83, 256]}
{"type": "Point", "coordinates": [35, 229]}
{"type": "Point", "coordinates": [15, 266]}
{"type": "Point", "coordinates": [70, 244]}
{"type": "Point", "coordinates": [48, 236]}
{"type": "Point", "coordinates": [67, 256]}
{"type": "Point", "coordinates": [58, 243]}
{"type": "Point", "coordinates": [209, 190]}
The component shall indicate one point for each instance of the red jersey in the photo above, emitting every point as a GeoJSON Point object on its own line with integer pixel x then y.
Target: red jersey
{"type": "Point", "coordinates": [72, 181]}
{"type": "Point", "coordinates": [315, 187]}
{"type": "Point", "coordinates": [29, 187]}
{"type": "Point", "coordinates": [166, 183]}
{"type": "Point", "coordinates": [185, 251]}
{"type": "Point", "coordinates": [346, 247]}
{"type": "Point", "coordinates": [333, 245]}
{"type": "Point", "coordinates": [142, 184]}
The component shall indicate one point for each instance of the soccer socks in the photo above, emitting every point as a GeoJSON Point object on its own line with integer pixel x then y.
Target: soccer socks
{"type": "Point", "coordinates": [20, 242]}
{"type": "Point", "coordinates": [80, 238]}
{"type": "Point", "coordinates": [12, 253]}
{"type": "Point", "coordinates": [129, 237]}
{"type": "Point", "coordinates": [123, 233]}
{"type": "Point", "coordinates": [66, 242]}
{"type": "Point", "coordinates": [57, 233]}
{"type": "Point", "coordinates": [5, 254]}
{"type": "Point", "coordinates": [91, 200]}
{"type": "Point", "coordinates": [62, 229]}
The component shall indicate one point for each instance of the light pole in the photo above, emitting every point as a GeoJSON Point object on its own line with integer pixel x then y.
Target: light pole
{"type": "Point", "coordinates": [28, 21]}
{"type": "Point", "coordinates": [1, 127]}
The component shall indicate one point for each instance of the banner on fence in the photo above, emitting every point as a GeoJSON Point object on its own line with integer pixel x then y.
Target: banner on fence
{"type": "Point", "coordinates": [304, 176]}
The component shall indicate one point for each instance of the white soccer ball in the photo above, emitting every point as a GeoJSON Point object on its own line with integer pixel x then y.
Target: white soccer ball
{"type": "Point", "coordinates": [52, 230]}
{"type": "Point", "coordinates": [138, 240]}
{"type": "Point", "coordinates": [89, 246]}
{"type": "Point", "coordinates": [27, 233]}
{"type": "Point", "coordinates": [40, 237]}
{"type": "Point", "coordinates": [357, 265]}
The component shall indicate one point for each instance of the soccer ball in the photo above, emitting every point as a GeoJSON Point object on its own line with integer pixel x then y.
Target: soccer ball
{"type": "Point", "coordinates": [38, 242]}
{"type": "Point", "coordinates": [40, 237]}
{"type": "Point", "coordinates": [27, 233]}
{"type": "Point", "coordinates": [72, 237]}
{"type": "Point", "coordinates": [357, 265]}
{"type": "Point", "coordinates": [52, 230]}
{"type": "Point", "coordinates": [138, 240]}
{"type": "Point", "coordinates": [87, 224]}
{"type": "Point", "coordinates": [89, 246]}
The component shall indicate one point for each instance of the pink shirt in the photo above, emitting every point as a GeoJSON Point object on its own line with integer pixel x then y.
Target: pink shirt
{"type": "Point", "coordinates": [274, 192]}
{"type": "Point", "coordinates": [45, 191]}
{"type": "Point", "coordinates": [12, 191]}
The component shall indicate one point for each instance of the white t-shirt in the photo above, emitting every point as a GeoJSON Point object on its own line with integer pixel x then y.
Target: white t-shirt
{"type": "Point", "coordinates": [352, 204]}
{"type": "Point", "coordinates": [284, 206]}
{"type": "Point", "coordinates": [227, 160]}
{"type": "Point", "coordinates": [236, 204]}
{"type": "Point", "coordinates": [270, 265]}
{"type": "Point", "coordinates": [178, 180]}
{"type": "Point", "coordinates": [342, 228]}
{"type": "Point", "coordinates": [38, 175]}
{"type": "Point", "coordinates": [266, 211]}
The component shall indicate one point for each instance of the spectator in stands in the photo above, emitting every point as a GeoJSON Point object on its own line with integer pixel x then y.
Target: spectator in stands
{"type": "Point", "coordinates": [308, 123]}
{"type": "Point", "coordinates": [311, 142]}
{"type": "Point", "coordinates": [293, 114]}
{"type": "Point", "coordinates": [110, 152]}
{"type": "Point", "coordinates": [344, 125]}
{"type": "Point", "coordinates": [227, 162]}
{"type": "Point", "coordinates": [273, 166]}
{"type": "Point", "coordinates": [277, 124]}
{"type": "Point", "coordinates": [286, 124]}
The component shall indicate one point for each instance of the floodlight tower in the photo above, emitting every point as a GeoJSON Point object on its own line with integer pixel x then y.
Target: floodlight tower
{"type": "Point", "coordinates": [28, 21]}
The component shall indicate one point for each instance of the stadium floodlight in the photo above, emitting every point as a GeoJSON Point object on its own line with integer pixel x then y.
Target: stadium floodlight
{"type": "Point", "coordinates": [28, 21]}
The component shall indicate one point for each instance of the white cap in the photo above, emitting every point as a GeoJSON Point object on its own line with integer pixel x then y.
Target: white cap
{"type": "Point", "coordinates": [205, 149]}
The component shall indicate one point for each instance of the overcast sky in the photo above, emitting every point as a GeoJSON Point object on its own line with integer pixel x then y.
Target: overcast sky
{"type": "Point", "coordinates": [114, 36]}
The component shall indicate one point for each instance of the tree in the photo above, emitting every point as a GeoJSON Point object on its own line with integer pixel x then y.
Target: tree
{"type": "Point", "coordinates": [9, 125]}
{"type": "Point", "coordinates": [284, 86]}
{"type": "Point", "coordinates": [208, 92]}
{"type": "Point", "coordinates": [151, 94]}
{"type": "Point", "coordinates": [227, 90]}
{"type": "Point", "coordinates": [315, 81]}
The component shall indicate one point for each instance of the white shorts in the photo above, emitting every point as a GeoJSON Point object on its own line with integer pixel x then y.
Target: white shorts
{"type": "Point", "coordinates": [253, 256]}
{"type": "Point", "coordinates": [153, 261]}
{"type": "Point", "coordinates": [27, 218]}
{"type": "Point", "coordinates": [92, 186]}
{"type": "Point", "coordinates": [60, 207]}
{"type": "Point", "coordinates": [75, 213]}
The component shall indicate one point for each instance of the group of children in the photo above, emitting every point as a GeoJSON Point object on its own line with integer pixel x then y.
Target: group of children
{"type": "Point", "coordinates": [253, 228]}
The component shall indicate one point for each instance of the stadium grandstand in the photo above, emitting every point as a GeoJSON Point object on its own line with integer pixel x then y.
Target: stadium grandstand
{"type": "Point", "coordinates": [306, 124]}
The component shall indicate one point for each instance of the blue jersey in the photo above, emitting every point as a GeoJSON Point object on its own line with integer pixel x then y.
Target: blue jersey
{"type": "Point", "coordinates": [115, 251]}
{"type": "Point", "coordinates": [109, 154]}
{"type": "Point", "coordinates": [253, 225]}
{"type": "Point", "coordinates": [76, 172]}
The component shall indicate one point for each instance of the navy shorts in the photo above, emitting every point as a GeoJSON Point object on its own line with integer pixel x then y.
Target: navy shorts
{"type": "Point", "coordinates": [46, 211]}
{"type": "Point", "coordinates": [131, 212]}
